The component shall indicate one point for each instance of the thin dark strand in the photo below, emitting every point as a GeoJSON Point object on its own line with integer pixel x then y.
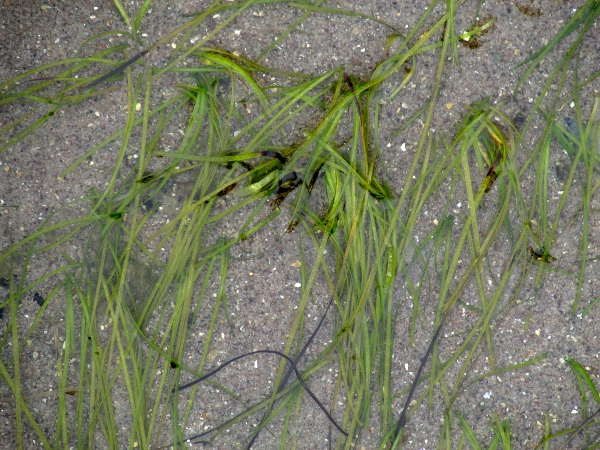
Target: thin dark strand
{"type": "Point", "coordinates": [288, 359]}
{"type": "Point", "coordinates": [288, 374]}
{"type": "Point", "coordinates": [210, 374]}
{"type": "Point", "coordinates": [402, 420]}
{"type": "Point", "coordinates": [579, 428]}
{"type": "Point", "coordinates": [304, 349]}
{"type": "Point", "coordinates": [120, 68]}
{"type": "Point", "coordinates": [212, 430]}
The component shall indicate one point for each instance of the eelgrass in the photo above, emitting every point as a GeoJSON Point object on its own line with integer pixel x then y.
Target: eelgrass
{"type": "Point", "coordinates": [137, 344]}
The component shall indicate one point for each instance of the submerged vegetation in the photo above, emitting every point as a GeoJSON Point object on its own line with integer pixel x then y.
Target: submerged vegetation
{"type": "Point", "coordinates": [135, 287]}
